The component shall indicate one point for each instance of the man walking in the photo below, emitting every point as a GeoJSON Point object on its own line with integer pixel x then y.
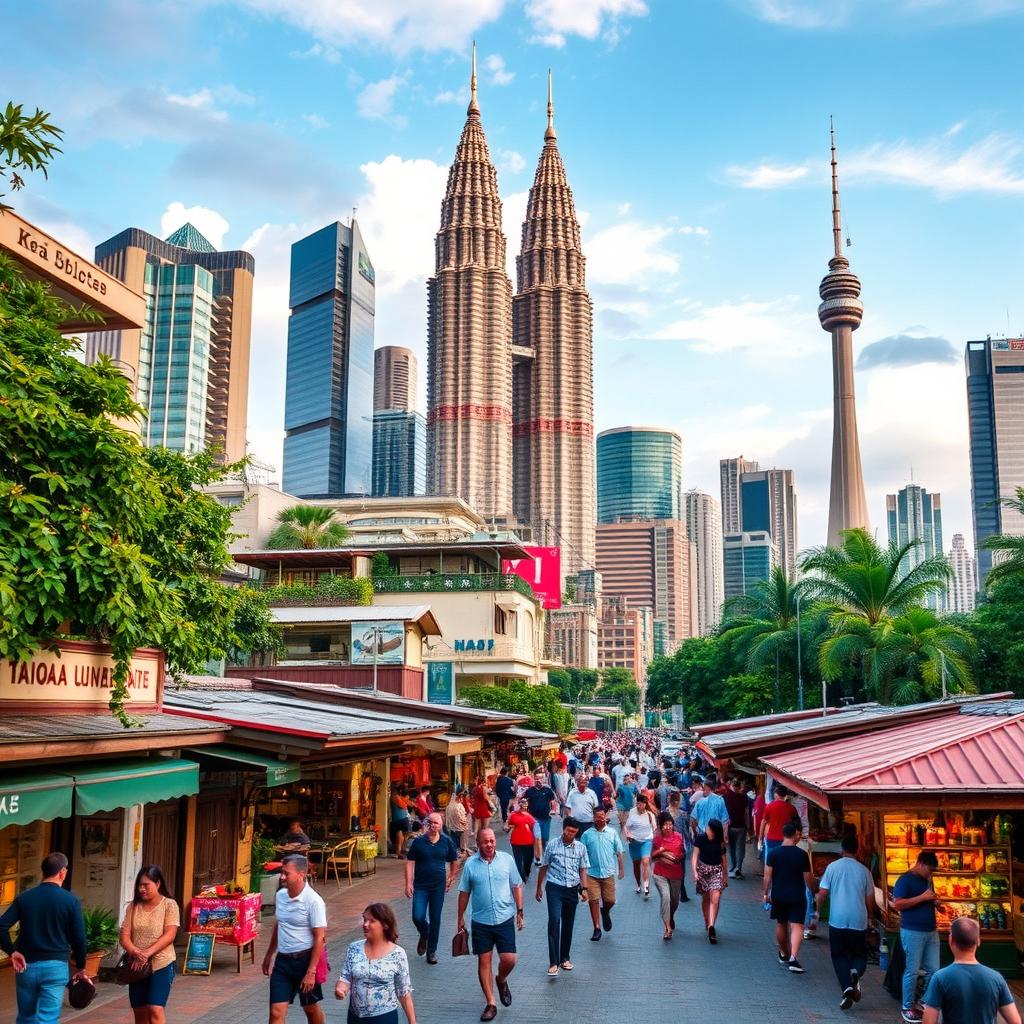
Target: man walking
{"type": "Point", "coordinates": [560, 784]}
{"type": "Point", "coordinates": [738, 805]}
{"type": "Point", "coordinates": [967, 992]}
{"type": "Point", "coordinates": [542, 803]}
{"type": "Point", "coordinates": [298, 938]}
{"type": "Point", "coordinates": [50, 923]}
{"type": "Point", "coordinates": [711, 805]}
{"type": "Point", "coordinates": [504, 789]}
{"type": "Point", "coordinates": [604, 847]}
{"type": "Point", "coordinates": [851, 894]}
{"type": "Point", "coordinates": [564, 865]}
{"type": "Point", "coordinates": [490, 885]}
{"type": "Point", "coordinates": [582, 802]}
{"type": "Point", "coordinates": [775, 815]}
{"type": "Point", "coordinates": [787, 874]}
{"type": "Point", "coordinates": [914, 898]}
{"type": "Point", "coordinates": [428, 854]}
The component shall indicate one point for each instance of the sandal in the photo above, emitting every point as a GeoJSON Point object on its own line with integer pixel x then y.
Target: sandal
{"type": "Point", "coordinates": [566, 965]}
{"type": "Point", "coordinates": [552, 972]}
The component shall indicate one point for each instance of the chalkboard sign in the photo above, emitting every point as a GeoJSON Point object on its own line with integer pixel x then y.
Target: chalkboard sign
{"type": "Point", "coordinates": [199, 954]}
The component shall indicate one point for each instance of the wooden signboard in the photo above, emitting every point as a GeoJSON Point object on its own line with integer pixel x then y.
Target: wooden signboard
{"type": "Point", "coordinates": [199, 954]}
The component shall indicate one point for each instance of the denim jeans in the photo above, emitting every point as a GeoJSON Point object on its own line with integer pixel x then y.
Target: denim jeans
{"type": "Point", "coordinates": [427, 905]}
{"type": "Point", "coordinates": [921, 950]}
{"type": "Point", "coordinates": [562, 904]}
{"type": "Point", "coordinates": [40, 991]}
{"type": "Point", "coordinates": [544, 824]}
{"type": "Point", "coordinates": [849, 949]}
{"type": "Point", "coordinates": [737, 847]}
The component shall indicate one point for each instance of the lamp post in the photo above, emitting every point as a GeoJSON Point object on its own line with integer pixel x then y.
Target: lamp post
{"type": "Point", "coordinates": [799, 662]}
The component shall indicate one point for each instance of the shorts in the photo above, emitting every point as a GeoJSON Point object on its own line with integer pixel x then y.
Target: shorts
{"type": "Point", "coordinates": [286, 978]}
{"type": "Point", "coordinates": [154, 991]}
{"type": "Point", "coordinates": [400, 825]}
{"type": "Point", "coordinates": [789, 911]}
{"type": "Point", "coordinates": [639, 848]}
{"type": "Point", "coordinates": [488, 936]}
{"type": "Point", "coordinates": [602, 889]}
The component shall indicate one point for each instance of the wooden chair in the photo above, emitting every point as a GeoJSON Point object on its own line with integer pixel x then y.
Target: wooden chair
{"type": "Point", "coordinates": [341, 856]}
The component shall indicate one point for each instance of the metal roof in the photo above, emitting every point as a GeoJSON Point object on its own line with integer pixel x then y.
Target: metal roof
{"type": "Point", "coordinates": [419, 613]}
{"type": "Point", "coordinates": [756, 721]}
{"type": "Point", "coordinates": [102, 725]}
{"type": "Point", "coordinates": [326, 557]}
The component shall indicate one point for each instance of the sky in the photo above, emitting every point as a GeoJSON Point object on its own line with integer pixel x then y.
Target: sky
{"type": "Point", "coordinates": [695, 138]}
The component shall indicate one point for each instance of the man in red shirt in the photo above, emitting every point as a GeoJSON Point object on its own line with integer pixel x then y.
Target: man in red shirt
{"type": "Point", "coordinates": [776, 814]}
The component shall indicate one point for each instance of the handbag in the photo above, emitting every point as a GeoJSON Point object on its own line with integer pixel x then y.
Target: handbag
{"type": "Point", "coordinates": [128, 973]}
{"type": "Point", "coordinates": [323, 968]}
{"type": "Point", "coordinates": [460, 943]}
{"type": "Point", "coordinates": [81, 992]}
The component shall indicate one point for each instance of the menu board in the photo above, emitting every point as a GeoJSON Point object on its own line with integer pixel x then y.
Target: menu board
{"type": "Point", "coordinates": [199, 954]}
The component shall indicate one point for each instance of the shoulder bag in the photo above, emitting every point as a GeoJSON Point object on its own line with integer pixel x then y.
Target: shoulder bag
{"type": "Point", "coordinates": [127, 973]}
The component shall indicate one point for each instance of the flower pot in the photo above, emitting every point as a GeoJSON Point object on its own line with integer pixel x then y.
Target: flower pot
{"type": "Point", "coordinates": [92, 963]}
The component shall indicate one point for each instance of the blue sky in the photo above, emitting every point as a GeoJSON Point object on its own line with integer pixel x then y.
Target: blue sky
{"type": "Point", "coordinates": [695, 135]}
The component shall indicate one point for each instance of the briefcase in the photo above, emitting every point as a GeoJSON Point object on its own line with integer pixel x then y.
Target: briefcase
{"type": "Point", "coordinates": [460, 943]}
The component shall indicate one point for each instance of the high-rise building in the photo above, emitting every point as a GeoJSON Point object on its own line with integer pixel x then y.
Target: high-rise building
{"type": "Point", "coordinates": [394, 378]}
{"type": "Point", "coordinates": [768, 502]}
{"type": "Point", "coordinates": [963, 588]}
{"type": "Point", "coordinates": [648, 563]}
{"type": "Point", "coordinates": [840, 314]}
{"type": "Point", "coordinates": [399, 454]}
{"type": "Point", "coordinates": [914, 514]}
{"type": "Point", "coordinates": [574, 632]}
{"type": "Point", "coordinates": [469, 335]}
{"type": "Point", "coordinates": [553, 371]}
{"type": "Point", "coordinates": [625, 638]}
{"type": "Point", "coordinates": [639, 474]}
{"type": "Point", "coordinates": [328, 412]}
{"type": "Point", "coordinates": [730, 471]}
{"type": "Point", "coordinates": [995, 412]}
{"type": "Point", "coordinates": [704, 528]}
{"type": "Point", "coordinates": [747, 558]}
{"type": "Point", "coordinates": [192, 352]}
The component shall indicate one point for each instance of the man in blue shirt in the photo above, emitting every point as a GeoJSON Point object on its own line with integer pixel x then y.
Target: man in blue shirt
{"type": "Point", "coordinates": [504, 788]}
{"type": "Point", "coordinates": [541, 800]}
{"type": "Point", "coordinates": [564, 865]}
{"type": "Point", "coordinates": [711, 805]}
{"type": "Point", "coordinates": [429, 854]}
{"type": "Point", "coordinates": [491, 887]}
{"type": "Point", "coordinates": [914, 898]}
{"type": "Point", "coordinates": [603, 846]}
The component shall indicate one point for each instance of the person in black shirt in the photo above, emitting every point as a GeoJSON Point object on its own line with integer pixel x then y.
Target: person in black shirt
{"type": "Point", "coordinates": [51, 923]}
{"type": "Point", "coordinates": [787, 877]}
{"type": "Point", "coordinates": [541, 800]}
{"type": "Point", "coordinates": [504, 788]}
{"type": "Point", "coordinates": [709, 874]}
{"type": "Point", "coordinates": [425, 882]}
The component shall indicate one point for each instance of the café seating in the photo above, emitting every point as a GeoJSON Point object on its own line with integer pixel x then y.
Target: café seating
{"type": "Point", "coordinates": [341, 856]}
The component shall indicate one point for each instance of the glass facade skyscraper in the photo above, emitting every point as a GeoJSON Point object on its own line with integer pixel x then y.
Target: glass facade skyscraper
{"type": "Point", "coordinates": [639, 474]}
{"type": "Point", "coordinates": [328, 447]}
{"type": "Point", "coordinates": [914, 514]}
{"type": "Point", "coordinates": [399, 454]}
{"type": "Point", "coordinates": [747, 558]}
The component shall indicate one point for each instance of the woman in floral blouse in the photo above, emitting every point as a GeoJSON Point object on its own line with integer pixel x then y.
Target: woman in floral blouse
{"type": "Point", "coordinates": [376, 971]}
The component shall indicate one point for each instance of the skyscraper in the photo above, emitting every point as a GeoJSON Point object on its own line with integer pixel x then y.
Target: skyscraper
{"type": "Point", "coordinates": [913, 514]}
{"type": "Point", "coordinates": [747, 558]}
{"type": "Point", "coordinates": [639, 474]}
{"type": "Point", "coordinates": [469, 335]}
{"type": "Point", "coordinates": [553, 373]}
{"type": "Point", "coordinates": [192, 353]}
{"type": "Point", "coordinates": [964, 586]}
{"type": "Point", "coordinates": [730, 471]}
{"type": "Point", "coordinates": [328, 413]}
{"type": "Point", "coordinates": [840, 313]}
{"type": "Point", "coordinates": [704, 528]}
{"type": "Point", "coordinates": [394, 378]}
{"type": "Point", "coordinates": [768, 502]}
{"type": "Point", "coordinates": [995, 412]}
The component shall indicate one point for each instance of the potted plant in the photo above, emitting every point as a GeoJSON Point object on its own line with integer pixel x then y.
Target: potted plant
{"type": "Point", "coordinates": [101, 935]}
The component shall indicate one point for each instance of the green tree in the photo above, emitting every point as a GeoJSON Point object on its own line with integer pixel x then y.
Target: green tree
{"type": "Point", "coordinates": [253, 630]}
{"type": "Point", "coordinates": [997, 626]}
{"type": "Point", "coordinates": [380, 566]}
{"type": "Point", "coordinates": [618, 686]}
{"type": "Point", "coordinates": [576, 685]}
{"type": "Point", "coordinates": [1010, 566]}
{"type": "Point", "coordinates": [27, 143]}
{"type": "Point", "coordinates": [307, 526]}
{"type": "Point", "coordinates": [694, 676]}
{"type": "Point", "coordinates": [540, 703]}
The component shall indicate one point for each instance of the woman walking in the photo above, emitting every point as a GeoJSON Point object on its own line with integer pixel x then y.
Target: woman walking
{"type": "Point", "coordinates": [150, 926]}
{"type": "Point", "coordinates": [401, 823]}
{"type": "Point", "coordinates": [640, 829]}
{"type": "Point", "coordinates": [709, 872]}
{"type": "Point", "coordinates": [525, 845]}
{"type": "Point", "coordinates": [668, 856]}
{"type": "Point", "coordinates": [375, 974]}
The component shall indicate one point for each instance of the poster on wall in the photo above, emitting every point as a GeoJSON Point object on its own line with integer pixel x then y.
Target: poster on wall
{"type": "Point", "coordinates": [99, 841]}
{"type": "Point", "coordinates": [542, 570]}
{"type": "Point", "coordinates": [440, 682]}
{"type": "Point", "coordinates": [381, 643]}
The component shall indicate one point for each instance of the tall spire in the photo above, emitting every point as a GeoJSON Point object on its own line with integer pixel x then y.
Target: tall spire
{"type": "Point", "coordinates": [474, 107]}
{"type": "Point", "coordinates": [550, 133]}
{"type": "Point", "coordinates": [837, 226]}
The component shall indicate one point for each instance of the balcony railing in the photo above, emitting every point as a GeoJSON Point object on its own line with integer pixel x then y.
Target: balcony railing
{"type": "Point", "coordinates": [451, 583]}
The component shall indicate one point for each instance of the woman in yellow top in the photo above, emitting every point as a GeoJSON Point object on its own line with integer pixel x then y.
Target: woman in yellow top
{"type": "Point", "coordinates": [151, 923]}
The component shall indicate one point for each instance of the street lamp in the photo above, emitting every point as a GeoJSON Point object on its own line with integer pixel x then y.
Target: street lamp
{"type": "Point", "coordinates": [799, 662]}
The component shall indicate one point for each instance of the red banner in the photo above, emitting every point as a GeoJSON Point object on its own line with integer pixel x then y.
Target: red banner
{"type": "Point", "coordinates": [542, 570]}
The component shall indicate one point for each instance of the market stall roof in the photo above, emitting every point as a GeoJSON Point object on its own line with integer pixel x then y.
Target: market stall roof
{"type": "Point", "coordinates": [533, 737]}
{"type": "Point", "coordinates": [419, 614]}
{"type": "Point", "coordinates": [760, 741]}
{"type": "Point", "coordinates": [977, 749]}
{"type": "Point", "coordinates": [757, 721]}
{"type": "Point", "coordinates": [451, 743]}
{"type": "Point", "coordinates": [106, 785]}
{"type": "Point", "coordinates": [276, 770]}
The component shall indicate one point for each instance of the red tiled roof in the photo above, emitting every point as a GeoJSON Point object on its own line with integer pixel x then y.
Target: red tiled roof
{"type": "Point", "coordinates": [964, 752]}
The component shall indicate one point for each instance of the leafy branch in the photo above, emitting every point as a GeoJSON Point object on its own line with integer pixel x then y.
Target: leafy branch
{"type": "Point", "coordinates": [27, 143]}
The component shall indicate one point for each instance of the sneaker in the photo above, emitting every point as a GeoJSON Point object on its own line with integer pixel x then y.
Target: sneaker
{"type": "Point", "coordinates": [795, 967]}
{"type": "Point", "coordinates": [855, 986]}
{"type": "Point", "coordinates": [739, 874]}
{"type": "Point", "coordinates": [606, 919]}
{"type": "Point", "coordinates": [647, 892]}
{"type": "Point", "coordinates": [847, 1001]}
{"type": "Point", "coordinates": [596, 937]}
{"type": "Point", "coordinates": [911, 1017]}
{"type": "Point", "coordinates": [638, 890]}
{"type": "Point", "coordinates": [809, 933]}
{"type": "Point", "coordinates": [783, 959]}
{"type": "Point", "coordinates": [712, 935]}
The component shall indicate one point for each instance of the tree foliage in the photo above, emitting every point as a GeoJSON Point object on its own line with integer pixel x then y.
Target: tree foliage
{"type": "Point", "coordinates": [27, 143]}
{"type": "Point", "coordinates": [307, 526]}
{"type": "Point", "coordinates": [575, 685]}
{"type": "Point", "coordinates": [1008, 564]}
{"type": "Point", "coordinates": [540, 703]}
{"type": "Point", "coordinates": [618, 686]}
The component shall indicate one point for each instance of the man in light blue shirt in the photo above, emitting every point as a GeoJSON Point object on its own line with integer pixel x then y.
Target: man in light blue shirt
{"type": "Point", "coordinates": [564, 865]}
{"type": "Point", "coordinates": [603, 846]}
{"type": "Point", "coordinates": [491, 887]}
{"type": "Point", "coordinates": [711, 805]}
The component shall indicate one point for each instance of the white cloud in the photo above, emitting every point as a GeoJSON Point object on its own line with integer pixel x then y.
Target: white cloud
{"type": "Point", "coordinates": [201, 99]}
{"type": "Point", "coordinates": [694, 229]}
{"type": "Point", "coordinates": [327, 53]}
{"type": "Point", "coordinates": [767, 175]}
{"type": "Point", "coordinates": [554, 20]}
{"type": "Point", "coordinates": [209, 222]}
{"type": "Point", "coordinates": [316, 121]}
{"type": "Point", "coordinates": [377, 100]}
{"type": "Point", "coordinates": [630, 252]}
{"type": "Point", "coordinates": [511, 161]}
{"type": "Point", "coordinates": [452, 96]}
{"type": "Point", "coordinates": [494, 64]}
{"type": "Point", "coordinates": [833, 14]}
{"type": "Point", "coordinates": [623, 208]}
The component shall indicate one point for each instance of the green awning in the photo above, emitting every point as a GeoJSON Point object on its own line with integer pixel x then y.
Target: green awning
{"type": "Point", "coordinates": [141, 781]}
{"type": "Point", "coordinates": [34, 796]}
{"type": "Point", "coordinates": [278, 772]}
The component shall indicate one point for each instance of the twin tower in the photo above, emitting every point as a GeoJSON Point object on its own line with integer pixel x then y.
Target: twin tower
{"type": "Point", "coordinates": [510, 381]}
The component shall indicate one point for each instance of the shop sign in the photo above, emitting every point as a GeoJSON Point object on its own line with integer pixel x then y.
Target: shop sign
{"type": "Point", "coordinates": [440, 682]}
{"type": "Point", "coordinates": [542, 570]}
{"type": "Point", "coordinates": [378, 643]}
{"type": "Point", "coordinates": [78, 676]}
{"type": "Point", "coordinates": [479, 646]}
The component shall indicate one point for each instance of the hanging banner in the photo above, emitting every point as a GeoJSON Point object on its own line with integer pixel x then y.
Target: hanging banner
{"type": "Point", "coordinates": [440, 682]}
{"type": "Point", "coordinates": [542, 570]}
{"type": "Point", "coordinates": [380, 643]}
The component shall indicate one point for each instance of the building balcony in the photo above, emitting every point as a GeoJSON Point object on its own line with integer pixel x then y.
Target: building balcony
{"type": "Point", "coordinates": [452, 583]}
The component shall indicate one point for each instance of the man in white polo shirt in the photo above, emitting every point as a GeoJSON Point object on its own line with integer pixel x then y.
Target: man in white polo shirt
{"type": "Point", "coordinates": [300, 932]}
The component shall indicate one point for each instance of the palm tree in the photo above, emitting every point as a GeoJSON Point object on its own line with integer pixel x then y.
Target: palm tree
{"type": "Point", "coordinates": [1010, 566]}
{"type": "Point", "coordinates": [307, 526]}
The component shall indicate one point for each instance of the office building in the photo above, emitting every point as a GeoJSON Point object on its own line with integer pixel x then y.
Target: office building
{"type": "Point", "coordinates": [399, 453]}
{"type": "Point", "coordinates": [747, 558]}
{"type": "Point", "coordinates": [625, 638]}
{"type": "Point", "coordinates": [191, 354]}
{"type": "Point", "coordinates": [914, 514]}
{"type": "Point", "coordinates": [328, 445]}
{"type": "Point", "coordinates": [730, 471]}
{"type": "Point", "coordinates": [639, 474]}
{"type": "Point", "coordinates": [649, 563]}
{"type": "Point", "coordinates": [768, 502]}
{"type": "Point", "coordinates": [573, 635]}
{"type": "Point", "coordinates": [553, 369]}
{"type": "Point", "coordinates": [469, 335]}
{"type": "Point", "coordinates": [995, 412]}
{"type": "Point", "coordinates": [394, 379]}
{"type": "Point", "coordinates": [964, 585]}
{"type": "Point", "coordinates": [704, 529]}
